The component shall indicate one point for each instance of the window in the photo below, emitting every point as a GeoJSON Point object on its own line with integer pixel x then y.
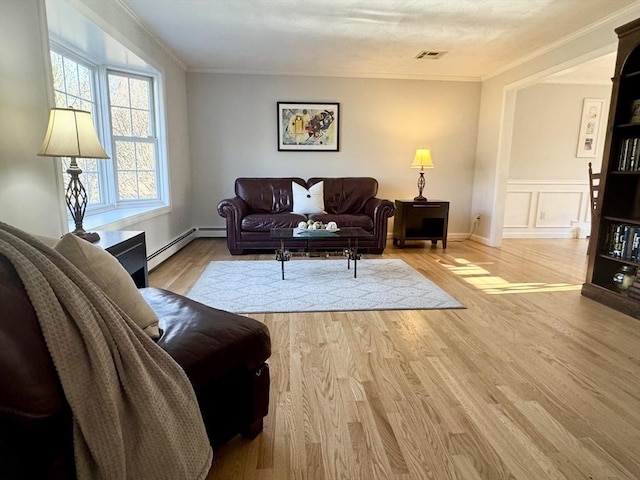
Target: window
{"type": "Point", "coordinates": [123, 106]}
{"type": "Point", "coordinates": [133, 135]}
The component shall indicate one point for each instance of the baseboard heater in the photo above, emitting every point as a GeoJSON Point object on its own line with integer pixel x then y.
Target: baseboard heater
{"type": "Point", "coordinates": [171, 244]}
{"type": "Point", "coordinates": [212, 232]}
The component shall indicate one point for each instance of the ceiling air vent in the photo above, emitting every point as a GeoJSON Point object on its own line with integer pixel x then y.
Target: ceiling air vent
{"type": "Point", "coordinates": [428, 54]}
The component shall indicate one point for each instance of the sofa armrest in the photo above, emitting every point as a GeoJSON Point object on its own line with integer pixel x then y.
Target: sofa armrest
{"type": "Point", "coordinates": [207, 342]}
{"type": "Point", "coordinates": [233, 209]}
{"type": "Point", "coordinates": [379, 210]}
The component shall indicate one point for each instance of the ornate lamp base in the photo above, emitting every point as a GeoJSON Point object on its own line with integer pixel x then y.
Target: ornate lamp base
{"type": "Point", "coordinates": [421, 184]}
{"type": "Point", "coordinates": [88, 236]}
{"type": "Point", "coordinates": [76, 199]}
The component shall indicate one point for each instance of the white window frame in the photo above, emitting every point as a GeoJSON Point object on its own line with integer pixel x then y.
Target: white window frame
{"type": "Point", "coordinates": [112, 212]}
{"type": "Point", "coordinates": [154, 139]}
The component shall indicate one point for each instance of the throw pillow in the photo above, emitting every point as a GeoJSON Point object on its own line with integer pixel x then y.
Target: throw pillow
{"type": "Point", "coordinates": [107, 273]}
{"type": "Point", "coordinates": [308, 202]}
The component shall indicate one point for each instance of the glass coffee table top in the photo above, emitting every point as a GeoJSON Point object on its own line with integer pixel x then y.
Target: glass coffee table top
{"type": "Point", "coordinates": [308, 234]}
{"type": "Point", "coordinates": [318, 236]}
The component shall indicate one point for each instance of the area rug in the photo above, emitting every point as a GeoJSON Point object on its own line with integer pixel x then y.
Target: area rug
{"type": "Point", "coordinates": [316, 286]}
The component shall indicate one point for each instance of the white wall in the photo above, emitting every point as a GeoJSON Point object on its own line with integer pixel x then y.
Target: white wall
{"type": "Point", "coordinates": [232, 121]}
{"type": "Point", "coordinates": [24, 113]}
{"type": "Point", "coordinates": [29, 197]}
{"type": "Point", "coordinates": [545, 132]}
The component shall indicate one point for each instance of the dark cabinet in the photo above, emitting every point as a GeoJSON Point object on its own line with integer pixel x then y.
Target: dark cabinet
{"type": "Point", "coordinates": [420, 221]}
{"type": "Point", "coordinates": [616, 229]}
{"type": "Point", "coordinates": [130, 248]}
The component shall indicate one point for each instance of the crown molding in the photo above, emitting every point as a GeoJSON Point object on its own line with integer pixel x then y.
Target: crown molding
{"type": "Point", "coordinates": [388, 76]}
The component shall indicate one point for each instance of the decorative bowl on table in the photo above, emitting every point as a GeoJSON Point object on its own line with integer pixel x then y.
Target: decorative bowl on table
{"type": "Point", "coordinates": [312, 227]}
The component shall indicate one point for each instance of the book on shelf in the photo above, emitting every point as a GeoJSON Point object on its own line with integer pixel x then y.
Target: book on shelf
{"type": "Point", "coordinates": [629, 157]}
{"type": "Point", "coordinates": [623, 242]}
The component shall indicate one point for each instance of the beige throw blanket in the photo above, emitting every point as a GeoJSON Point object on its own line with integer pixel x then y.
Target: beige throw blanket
{"type": "Point", "coordinates": [135, 413]}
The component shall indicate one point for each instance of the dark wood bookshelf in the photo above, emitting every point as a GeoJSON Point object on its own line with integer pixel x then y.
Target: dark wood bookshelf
{"type": "Point", "coordinates": [620, 187]}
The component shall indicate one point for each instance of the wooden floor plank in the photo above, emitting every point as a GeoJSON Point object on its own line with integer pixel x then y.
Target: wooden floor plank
{"type": "Point", "coordinates": [530, 381]}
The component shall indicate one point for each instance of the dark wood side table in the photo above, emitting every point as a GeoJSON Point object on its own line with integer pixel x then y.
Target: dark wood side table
{"type": "Point", "coordinates": [130, 248]}
{"type": "Point", "coordinates": [420, 221]}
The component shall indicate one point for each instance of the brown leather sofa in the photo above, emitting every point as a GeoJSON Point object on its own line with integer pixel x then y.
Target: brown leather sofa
{"type": "Point", "coordinates": [261, 204]}
{"type": "Point", "coordinates": [223, 355]}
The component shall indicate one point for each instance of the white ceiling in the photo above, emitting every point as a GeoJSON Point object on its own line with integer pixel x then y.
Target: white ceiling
{"type": "Point", "coordinates": [365, 38]}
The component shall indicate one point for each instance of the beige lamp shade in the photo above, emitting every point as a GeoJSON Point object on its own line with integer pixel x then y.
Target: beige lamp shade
{"type": "Point", "coordinates": [71, 134]}
{"type": "Point", "coordinates": [422, 159]}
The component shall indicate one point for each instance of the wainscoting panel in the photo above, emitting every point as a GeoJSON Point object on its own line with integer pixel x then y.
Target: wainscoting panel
{"type": "Point", "coordinates": [518, 209]}
{"type": "Point", "coordinates": [546, 209]}
{"type": "Point", "coordinates": [557, 209]}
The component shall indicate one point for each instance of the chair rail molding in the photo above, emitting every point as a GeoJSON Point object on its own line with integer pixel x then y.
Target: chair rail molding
{"type": "Point", "coordinates": [547, 209]}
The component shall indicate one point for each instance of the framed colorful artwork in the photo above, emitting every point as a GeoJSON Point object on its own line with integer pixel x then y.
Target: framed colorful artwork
{"type": "Point", "coordinates": [589, 126]}
{"type": "Point", "coordinates": [308, 126]}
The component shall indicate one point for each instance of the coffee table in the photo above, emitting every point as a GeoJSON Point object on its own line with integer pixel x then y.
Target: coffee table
{"type": "Point", "coordinates": [318, 237]}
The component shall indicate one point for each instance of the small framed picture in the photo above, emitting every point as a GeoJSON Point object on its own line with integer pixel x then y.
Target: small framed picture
{"type": "Point", "coordinates": [589, 127]}
{"type": "Point", "coordinates": [635, 111]}
{"type": "Point", "coordinates": [308, 126]}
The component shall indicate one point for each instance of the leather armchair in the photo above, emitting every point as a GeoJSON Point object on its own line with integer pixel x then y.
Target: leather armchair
{"type": "Point", "coordinates": [223, 355]}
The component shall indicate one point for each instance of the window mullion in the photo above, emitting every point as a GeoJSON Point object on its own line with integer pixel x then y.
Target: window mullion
{"type": "Point", "coordinates": [110, 177]}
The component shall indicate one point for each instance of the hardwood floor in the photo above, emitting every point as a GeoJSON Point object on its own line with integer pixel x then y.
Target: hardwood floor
{"type": "Point", "coordinates": [530, 381]}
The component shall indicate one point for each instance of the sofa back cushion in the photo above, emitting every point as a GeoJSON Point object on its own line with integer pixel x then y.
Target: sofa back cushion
{"type": "Point", "coordinates": [346, 194]}
{"type": "Point", "coordinates": [267, 195]}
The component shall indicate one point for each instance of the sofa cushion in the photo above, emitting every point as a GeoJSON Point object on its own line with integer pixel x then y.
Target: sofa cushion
{"type": "Point", "coordinates": [363, 221]}
{"type": "Point", "coordinates": [263, 222]}
{"type": "Point", "coordinates": [267, 195]}
{"type": "Point", "coordinates": [346, 194]}
{"type": "Point", "coordinates": [111, 277]}
{"type": "Point", "coordinates": [308, 201]}
{"type": "Point", "coordinates": [207, 342]}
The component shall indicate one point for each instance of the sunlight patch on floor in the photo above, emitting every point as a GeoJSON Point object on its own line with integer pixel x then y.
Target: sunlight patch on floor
{"type": "Point", "coordinates": [481, 278]}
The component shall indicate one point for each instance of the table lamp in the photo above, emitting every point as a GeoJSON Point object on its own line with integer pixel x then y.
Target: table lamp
{"type": "Point", "coordinates": [71, 134]}
{"type": "Point", "coordinates": [422, 160]}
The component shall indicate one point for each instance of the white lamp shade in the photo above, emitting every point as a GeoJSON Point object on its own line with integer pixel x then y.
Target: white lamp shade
{"type": "Point", "coordinates": [422, 159]}
{"type": "Point", "coordinates": [71, 134]}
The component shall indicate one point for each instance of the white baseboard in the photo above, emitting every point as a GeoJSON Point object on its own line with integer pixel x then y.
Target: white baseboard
{"type": "Point", "coordinates": [539, 234]}
{"type": "Point", "coordinates": [480, 239]}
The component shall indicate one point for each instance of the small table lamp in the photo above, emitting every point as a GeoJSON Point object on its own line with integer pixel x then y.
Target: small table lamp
{"type": "Point", "coordinates": [422, 160]}
{"type": "Point", "coordinates": [71, 134]}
